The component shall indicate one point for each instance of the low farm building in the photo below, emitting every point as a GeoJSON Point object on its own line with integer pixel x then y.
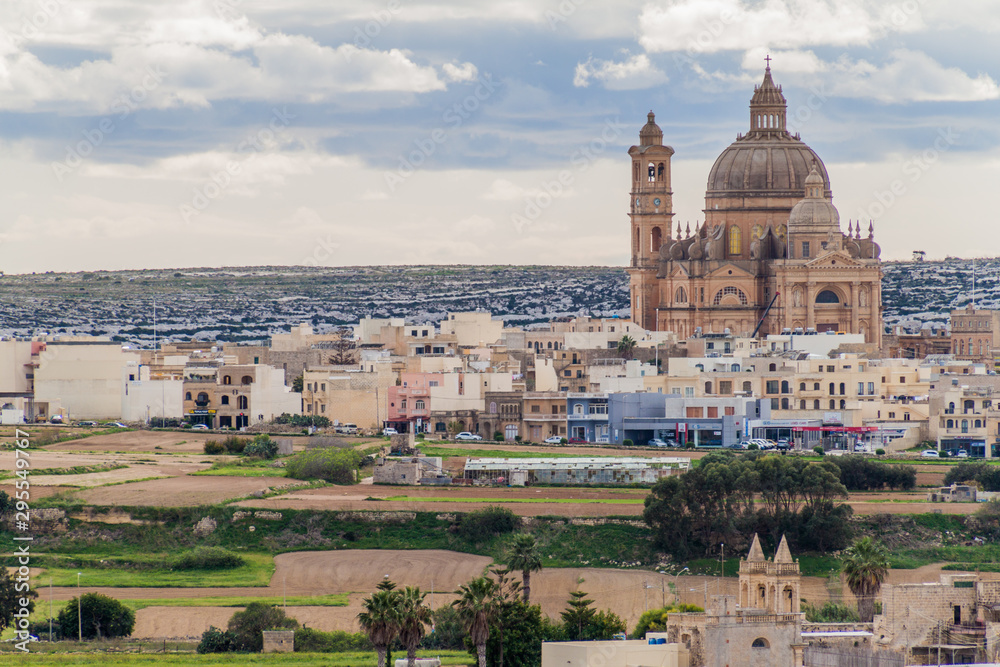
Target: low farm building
{"type": "Point", "coordinates": [624, 470]}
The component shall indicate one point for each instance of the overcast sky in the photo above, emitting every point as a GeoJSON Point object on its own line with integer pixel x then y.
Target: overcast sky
{"type": "Point", "coordinates": [244, 132]}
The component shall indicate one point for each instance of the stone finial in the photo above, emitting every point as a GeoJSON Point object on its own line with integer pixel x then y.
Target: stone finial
{"type": "Point", "coordinates": [756, 553]}
{"type": "Point", "coordinates": [871, 229]}
{"type": "Point", "coordinates": [783, 555]}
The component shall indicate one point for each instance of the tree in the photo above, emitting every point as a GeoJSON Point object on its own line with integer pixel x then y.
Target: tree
{"type": "Point", "coordinates": [626, 347]}
{"type": "Point", "coordinates": [477, 606]}
{"type": "Point", "coordinates": [577, 616]}
{"type": "Point", "coordinates": [11, 592]}
{"type": "Point", "coordinates": [866, 566]}
{"type": "Point", "coordinates": [413, 616]}
{"type": "Point", "coordinates": [525, 557]}
{"type": "Point", "coordinates": [248, 625]}
{"type": "Point", "coordinates": [100, 617]}
{"type": "Point", "coordinates": [380, 620]}
{"type": "Point", "coordinates": [655, 620]}
{"type": "Point", "coordinates": [343, 349]}
{"type": "Point", "coordinates": [297, 384]}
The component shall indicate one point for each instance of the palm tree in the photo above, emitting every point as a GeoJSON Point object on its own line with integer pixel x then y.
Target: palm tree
{"type": "Point", "coordinates": [380, 620]}
{"type": "Point", "coordinates": [866, 566]}
{"type": "Point", "coordinates": [524, 556]}
{"type": "Point", "coordinates": [413, 616]}
{"type": "Point", "coordinates": [477, 607]}
{"type": "Point", "coordinates": [625, 347]}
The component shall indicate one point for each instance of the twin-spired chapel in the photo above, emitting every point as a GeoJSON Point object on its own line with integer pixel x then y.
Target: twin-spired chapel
{"type": "Point", "coordinates": [770, 250]}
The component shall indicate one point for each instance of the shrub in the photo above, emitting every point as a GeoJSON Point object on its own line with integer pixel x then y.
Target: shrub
{"type": "Point", "coordinates": [753, 446]}
{"type": "Point", "coordinates": [498, 436]}
{"type": "Point", "coordinates": [262, 447]}
{"type": "Point", "coordinates": [483, 524]}
{"type": "Point", "coordinates": [830, 612]}
{"type": "Point", "coordinates": [517, 438]}
{"type": "Point", "coordinates": [337, 466]}
{"type": "Point", "coordinates": [247, 625]}
{"type": "Point", "coordinates": [235, 445]}
{"type": "Point", "coordinates": [215, 640]}
{"type": "Point", "coordinates": [880, 452]}
{"type": "Point", "coordinates": [208, 558]}
{"type": "Point", "coordinates": [563, 441]}
{"type": "Point", "coordinates": [213, 447]}
{"type": "Point", "coordinates": [819, 450]}
{"type": "Point", "coordinates": [309, 640]}
{"type": "Point", "coordinates": [302, 420]}
{"type": "Point", "coordinates": [103, 617]}
{"type": "Point", "coordinates": [627, 443]}
{"type": "Point", "coordinates": [164, 422]}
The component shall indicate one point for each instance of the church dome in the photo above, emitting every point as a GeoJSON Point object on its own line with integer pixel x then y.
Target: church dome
{"type": "Point", "coordinates": [651, 134]}
{"type": "Point", "coordinates": [767, 160]}
{"type": "Point", "coordinates": [815, 212]}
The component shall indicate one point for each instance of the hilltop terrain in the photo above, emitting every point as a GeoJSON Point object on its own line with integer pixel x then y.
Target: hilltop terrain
{"type": "Point", "coordinates": [251, 303]}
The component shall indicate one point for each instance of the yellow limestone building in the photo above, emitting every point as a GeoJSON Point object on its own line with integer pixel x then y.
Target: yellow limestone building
{"type": "Point", "coordinates": [770, 251]}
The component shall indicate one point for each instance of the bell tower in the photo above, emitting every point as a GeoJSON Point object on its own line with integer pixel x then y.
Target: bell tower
{"type": "Point", "coordinates": [651, 212]}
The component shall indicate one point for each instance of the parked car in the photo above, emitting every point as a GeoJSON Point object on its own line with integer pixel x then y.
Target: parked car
{"type": "Point", "coordinates": [930, 454]}
{"type": "Point", "coordinates": [553, 440]}
{"type": "Point", "coordinates": [87, 424]}
{"type": "Point", "coordinates": [656, 442]}
{"type": "Point", "coordinates": [389, 431]}
{"type": "Point", "coordinates": [465, 435]}
{"type": "Point", "coordinates": [578, 441]}
{"type": "Point", "coordinates": [199, 427]}
{"type": "Point", "coordinates": [742, 444]}
{"type": "Point", "coordinates": [783, 445]}
{"type": "Point", "coordinates": [961, 454]}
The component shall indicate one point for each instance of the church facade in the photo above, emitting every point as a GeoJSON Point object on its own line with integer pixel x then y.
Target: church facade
{"type": "Point", "coordinates": [770, 255]}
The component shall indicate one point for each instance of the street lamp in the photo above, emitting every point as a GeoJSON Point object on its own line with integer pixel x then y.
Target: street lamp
{"type": "Point", "coordinates": [79, 609]}
{"type": "Point", "coordinates": [677, 597]}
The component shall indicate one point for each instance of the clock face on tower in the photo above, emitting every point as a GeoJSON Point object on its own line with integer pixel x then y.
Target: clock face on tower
{"type": "Point", "coordinates": [656, 202]}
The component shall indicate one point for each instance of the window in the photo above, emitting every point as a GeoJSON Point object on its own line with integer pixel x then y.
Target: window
{"type": "Point", "coordinates": [772, 387]}
{"type": "Point", "coordinates": [816, 404]}
{"type": "Point", "coordinates": [802, 386]}
{"type": "Point", "coordinates": [772, 367]}
{"type": "Point", "coordinates": [861, 389]}
{"type": "Point", "coordinates": [708, 387]}
{"type": "Point", "coordinates": [242, 403]}
{"type": "Point", "coordinates": [815, 386]}
{"type": "Point", "coordinates": [965, 426]}
{"type": "Point", "coordinates": [418, 405]}
{"type": "Point", "coordinates": [843, 388]}
{"type": "Point", "coordinates": [246, 379]}
{"type": "Point", "coordinates": [871, 388]}
{"type": "Point", "coordinates": [187, 396]}
{"type": "Point", "coordinates": [784, 404]}
{"type": "Point", "coordinates": [536, 408]}
{"type": "Point", "coordinates": [578, 408]}
{"type": "Point", "coordinates": [805, 249]}
{"type": "Point", "coordinates": [833, 404]}
{"type": "Point", "coordinates": [227, 380]}
{"type": "Point", "coordinates": [322, 387]}
{"type": "Point", "coordinates": [224, 400]}
{"type": "Point", "coordinates": [493, 407]}
{"type": "Point", "coordinates": [833, 389]}
{"type": "Point", "coordinates": [713, 412]}
{"type": "Point", "coordinates": [510, 432]}
{"type": "Point", "coordinates": [735, 241]}
{"type": "Point", "coordinates": [785, 388]}
{"type": "Point", "coordinates": [734, 292]}
{"type": "Point", "coordinates": [730, 411]}
{"type": "Point", "coordinates": [949, 423]}
{"type": "Point", "coordinates": [747, 387]}
{"type": "Point", "coordinates": [693, 412]}
{"type": "Point", "coordinates": [802, 405]}
{"type": "Point", "coordinates": [680, 296]}
{"type": "Point", "coordinates": [725, 387]}
{"type": "Point", "coordinates": [827, 297]}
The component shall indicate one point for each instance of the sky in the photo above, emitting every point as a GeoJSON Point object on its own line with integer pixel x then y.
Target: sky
{"type": "Point", "coordinates": [148, 134]}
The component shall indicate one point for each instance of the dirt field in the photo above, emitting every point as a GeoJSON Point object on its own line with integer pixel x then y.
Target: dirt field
{"type": "Point", "coordinates": [181, 491]}
{"type": "Point", "coordinates": [626, 592]}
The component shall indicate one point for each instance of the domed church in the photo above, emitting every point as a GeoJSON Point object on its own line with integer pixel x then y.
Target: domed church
{"type": "Point", "coordinates": [770, 251]}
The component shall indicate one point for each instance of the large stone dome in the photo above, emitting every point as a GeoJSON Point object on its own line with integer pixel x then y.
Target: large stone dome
{"type": "Point", "coordinates": [767, 161]}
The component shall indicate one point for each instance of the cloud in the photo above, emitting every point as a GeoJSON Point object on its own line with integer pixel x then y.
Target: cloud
{"type": "Point", "coordinates": [710, 26]}
{"type": "Point", "coordinates": [634, 73]}
{"type": "Point", "coordinates": [503, 190]}
{"type": "Point", "coordinates": [464, 72]}
{"type": "Point", "coordinates": [475, 224]}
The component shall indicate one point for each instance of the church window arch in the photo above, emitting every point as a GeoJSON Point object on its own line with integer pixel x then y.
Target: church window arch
{"type": "Point", "coordinates": [735, 241]}
{"type": "Point", "coordinates": [656, 239]}
{"type": "Point", "coordinates": [782, 232]}
{"type": "Point", "coordinates": [827, 297]}
{"type": "Point", "coordinates": [652, 172]}
{"type": "Point", "coordinates": [660, 171]}
{"type": "Point", "coordinates": [757, 231]}
{"type": "Point", "coordinates": [730, 291]}
{"type": "Point", "coordinates": [680, 296]}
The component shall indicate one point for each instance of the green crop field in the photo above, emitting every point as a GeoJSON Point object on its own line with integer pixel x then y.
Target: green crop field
{"type": "Point", "coordinates": [98, 571]}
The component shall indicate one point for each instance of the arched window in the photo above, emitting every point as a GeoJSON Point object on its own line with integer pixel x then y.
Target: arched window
{"type": "Point", "coordinates": [827, 296]}
{"type": "Point", "coordinates": [225, 400]}
{"type": "Point", "coordinates": [187, 396]}
{"type": "Point", "coordinates": [760, 642]}
{"type": "Point", "coordinates": [802, 404]}
{"type": "Point", "coordinates": [419, 405]}
{"type": "Point", "coordinates": [815, 386]}
{"type": "Point", "coordinates": [949, 423]}
{"type": "Point", "coordinates": [833, 389]}
{"type": "Point", "coordinates": [708, 387]}
{"type": "Point", "coordinates": [785, 388]}
{"type": "Point", "coordinates": [660, 171]}
{"type": "Point", "coordinates": [735, 240]}
{"type": "Point", "coordinates": [965, 426]}
{"type": "Point", "coordinates": [577, 408]}
{"type": "Point", "coordinates": [242, 402]}
{"type": "Point", "coordinates": [843, 404]}
{"type": "Point", "coordinates": [757, 231]}
{"type": "Point", "coordinates": [656, 239]}
{"type": "Point", "coordinates": [510, 431]}
{"type": "Point", "coordinates": [833, 404]}
{"type": "Point", "coordinates": [493, 407]}
{"type": "Point", "coordinates": [246, 379]}
{"type": "Point", "coordinates": [784, 404]}
{"type": "Point", "coordinates": [951, 408]}
{"type": "Point", "coordinates": [843, 388]}
{"type": "Point", "coordinates": [772, 367]}
{"type": "Point", "coordinates": [732, 295]}
{"type": "Point", "coordinates": [636, 251]}
{"type": "Point", "coordinates": [202, 398]}
{"type": "Point", "coordinates": [680, 296]}
{"type": "Point", "coordinates": [747, 386]}
{"type": "Point", "coordinates": [976, 424]}
{"type": "Point", "coordinates": [652, 172]}
{"type": "Point", "coordinates": [734, 368]}
{"type": "Point", "coordinates": [816, 404]}
{"type": "Point", "coordinates": [802, 386]}
{"type": "Point", "coordinates": [227, 380]}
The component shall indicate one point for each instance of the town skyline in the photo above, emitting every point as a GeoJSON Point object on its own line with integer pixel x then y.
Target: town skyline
{"type": "Point", "coordinates": [241, 133]}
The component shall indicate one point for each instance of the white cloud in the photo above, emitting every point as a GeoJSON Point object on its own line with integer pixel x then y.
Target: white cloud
{"type": "Point", "coordinates": [709, 26]}
{"type": "Point", "coordinates": [634, 73]}
{"type": "Point", "coordinates": [504, 190]}
{"type": "Point", "coordinates": [464, 72]}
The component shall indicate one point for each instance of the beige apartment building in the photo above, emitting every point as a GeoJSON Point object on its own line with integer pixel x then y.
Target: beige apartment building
{"type": "Point", "coordinates": [237, 396]}
{"type": "Point", "coordinates": [544, 415]}
{"type": "Point", "coordinates": [349, 395]}
{"type": "Point", "coordinates": [82, 375]}
{"type": "Point", "coordinates": [975, 335]}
